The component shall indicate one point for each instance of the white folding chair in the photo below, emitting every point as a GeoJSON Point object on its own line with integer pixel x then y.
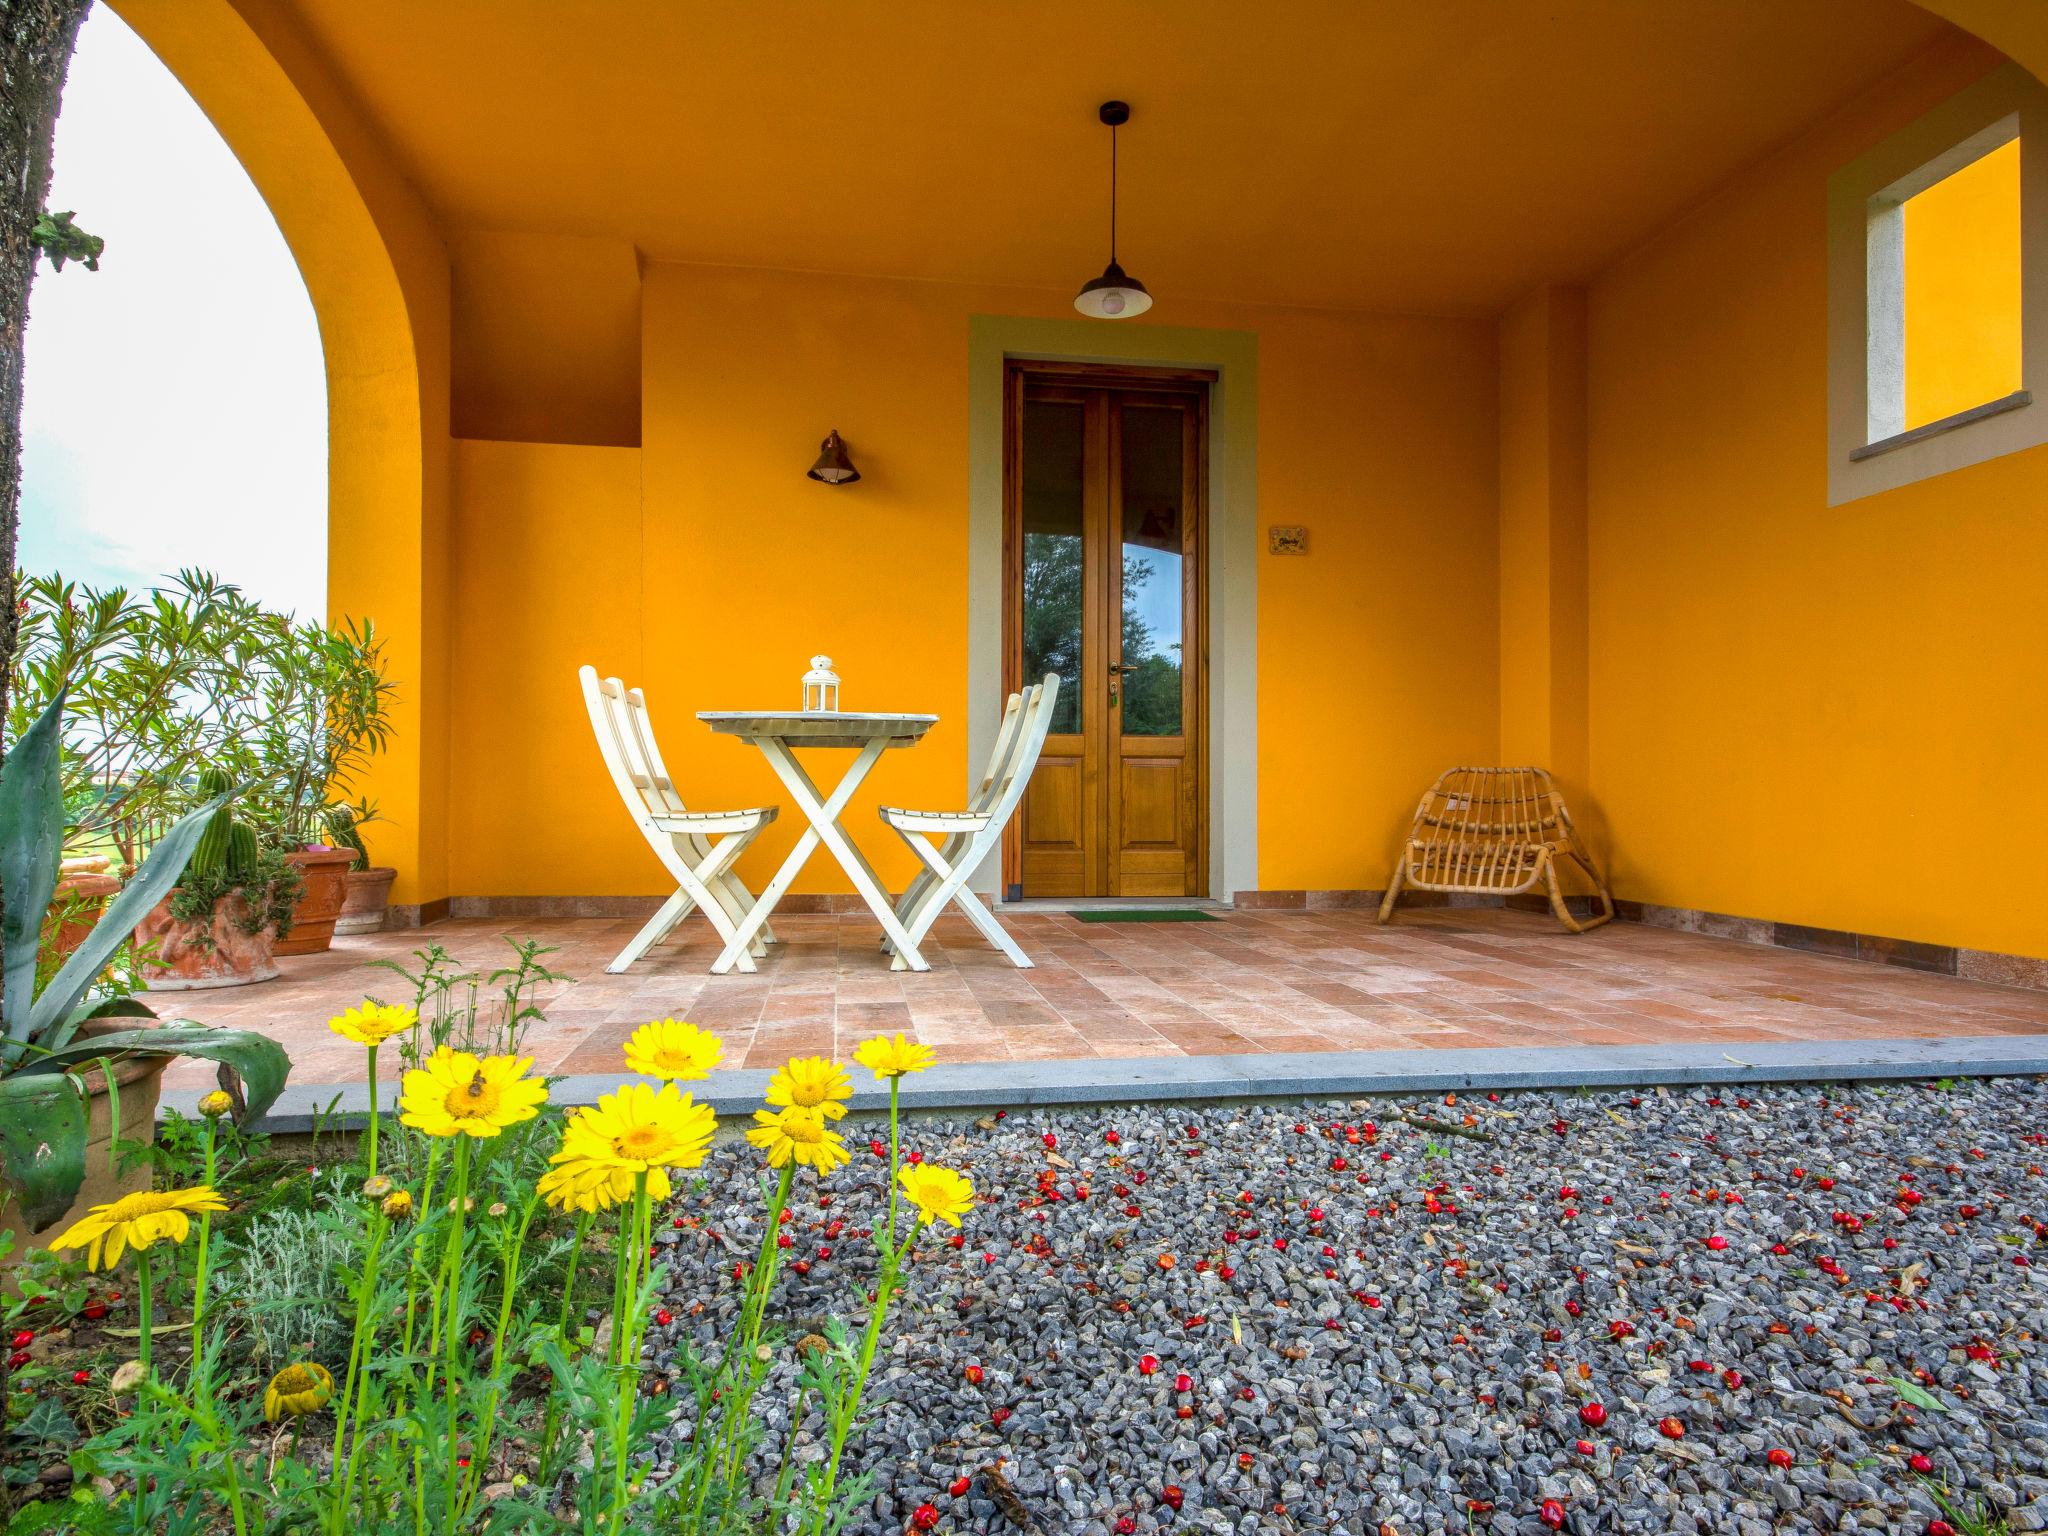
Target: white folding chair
{"type": "Point", "coordinates": [968, 837]}
{"type": "Point", "coordinates": [681, 838]}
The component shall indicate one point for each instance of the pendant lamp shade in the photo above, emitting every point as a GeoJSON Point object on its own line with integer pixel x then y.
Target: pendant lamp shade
{"type": "Point", "coordinates": [1115, 295]}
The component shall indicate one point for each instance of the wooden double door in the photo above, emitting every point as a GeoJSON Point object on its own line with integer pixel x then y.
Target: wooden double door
{"type": "Point", "coordinates": [1105, 523]}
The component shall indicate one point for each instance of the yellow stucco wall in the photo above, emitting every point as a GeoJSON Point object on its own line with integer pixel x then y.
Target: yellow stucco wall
{"type": "Point", "coordinates": [1794, 712]}
{"type": "Point", "coordinates": [1962, 288]}
{"type": "Point", "coordinates": [1798, 712]}
{"type": "Point", "coordinates": [708, 568]}
{"type": "Point", "coordinates": [377, 273]}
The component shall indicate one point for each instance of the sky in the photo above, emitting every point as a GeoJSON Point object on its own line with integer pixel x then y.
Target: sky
{"type": "Point", "coordinates": [175, 408]}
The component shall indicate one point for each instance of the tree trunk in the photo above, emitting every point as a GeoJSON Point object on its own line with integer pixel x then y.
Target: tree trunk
{"type": "Point", "coordinates": [36, 39]}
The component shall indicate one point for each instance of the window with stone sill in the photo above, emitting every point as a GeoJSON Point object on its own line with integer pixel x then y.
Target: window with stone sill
{"type": "Point", "coordinates": [1932, 339]}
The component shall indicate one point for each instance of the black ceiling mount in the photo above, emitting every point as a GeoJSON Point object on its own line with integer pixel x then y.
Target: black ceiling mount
{"type": "Point", "coordinates": [1115, 113]}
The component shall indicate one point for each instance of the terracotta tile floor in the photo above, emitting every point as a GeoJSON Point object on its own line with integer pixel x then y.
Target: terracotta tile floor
{"type": "Point", "coordinates": [1254, 981]}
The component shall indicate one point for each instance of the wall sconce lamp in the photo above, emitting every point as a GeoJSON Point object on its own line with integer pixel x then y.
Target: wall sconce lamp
{"type": "Point", "coordinates": [833, 466]}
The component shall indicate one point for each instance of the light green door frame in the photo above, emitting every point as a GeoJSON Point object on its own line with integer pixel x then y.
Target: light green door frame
{"type": "Point", "coordinates": [1233, 550]}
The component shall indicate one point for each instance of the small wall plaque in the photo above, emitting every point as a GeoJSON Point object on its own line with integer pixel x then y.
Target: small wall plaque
{"type": "Point", "coordinates": [1287, 539]}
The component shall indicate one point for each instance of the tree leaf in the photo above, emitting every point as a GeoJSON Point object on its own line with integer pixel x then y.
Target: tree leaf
{"type": "Point", "coordinates": [42, 1144]}
{"type": "Point", "coordinates": [143, 891]}
{"type": "Point", "coordinates": [31, 843]}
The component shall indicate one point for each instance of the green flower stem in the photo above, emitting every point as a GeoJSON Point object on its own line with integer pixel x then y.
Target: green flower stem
{"type": "Point", "coordinates": [737, 1365]}
{"type": "Point", "coordinates": [894, 1166]}
{"type": "Point", "coordinates": [452, 1268]}
{"type": "Point", "coordinates": [373, 1112]}
{"type": "Point", "coordinates": [420, 1215]}
{"type": "Point", "coordinates": [848, 1408]}
{"type": "Point", "coordinates": [205, 1231]}
{"type": "Point", "coordinates": [553, 1413]}
{"type": "Point", "coordinates": [626, 1326]}
{"type": "Point", "coordinates": [142, 1302]}
{"type": "Point", "coordinates": [361, 1342]}
{"type": "Point", "coordinates": [510, 1278]}
{"type": "Point", "coordinates": [583, 1220]}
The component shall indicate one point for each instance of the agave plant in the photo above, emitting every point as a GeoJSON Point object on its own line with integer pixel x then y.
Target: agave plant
{"type": "Point", "coordinates": [42, 1101]}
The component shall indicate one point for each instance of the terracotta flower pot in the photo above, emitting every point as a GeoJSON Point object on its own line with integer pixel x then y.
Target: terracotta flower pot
{"type": "Point", "coordinates": [136, 1081]}
{"type": "Point", "coordinates": [81, 896]}
{"type": "Point", "coordinates": [368, 900]}
{"type": "Point", "coordinates": [218, 953]}
{"type": "Point", "coordinates": [325, 871]}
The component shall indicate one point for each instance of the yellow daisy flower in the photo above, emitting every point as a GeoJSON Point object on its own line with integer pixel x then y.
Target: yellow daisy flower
{"type": "Point", "coordinates": [673, 1051]}
{"type": "Point", "coordinates": [798, 1134]}
{"type": "Point", "coordinates": [398, 1204]}
{"type": "Point", "coordinates": [640, 1128]}
{"type": "Point", "coordinates": [897, 1057]}
{"type": "Point", "coordinates": [216, 1104]}
{"type": "Point", "coordinates": [575, 1183]}
{"type": "Point", "coordinates": [939, 1194]}
{"type": "Point", "coordinates": [297, 1390]}
{"type": "Point", "coordinates": [813, 1083]}
{"type": "Point", "coordinates": [457, 1094]}
{"type": "Point", "coordinates": [137, 1221]}
{"type": "Point", "coordinates": [371, 1024]}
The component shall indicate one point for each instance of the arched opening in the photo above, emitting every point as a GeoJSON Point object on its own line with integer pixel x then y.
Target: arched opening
{"type": "Point", "coordinates": [377, 273]}
{"type": "Point", "coordinates": [175, 408]}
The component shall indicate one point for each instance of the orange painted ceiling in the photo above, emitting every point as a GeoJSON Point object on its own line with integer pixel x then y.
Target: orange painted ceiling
{"type": "Point", "coordinates": [1429, 155]}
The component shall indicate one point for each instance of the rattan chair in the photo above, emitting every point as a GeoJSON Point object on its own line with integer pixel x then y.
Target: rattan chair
{"type": "Point", "coordinates": [1495, 832]}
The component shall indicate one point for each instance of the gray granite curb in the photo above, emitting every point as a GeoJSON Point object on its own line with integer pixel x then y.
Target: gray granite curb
{"type": "Point", "coordinates": [1308, 1074]}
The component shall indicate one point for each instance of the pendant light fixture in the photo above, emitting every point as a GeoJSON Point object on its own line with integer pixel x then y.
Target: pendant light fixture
{"type": "Point", "coordinates": [1115, 295]}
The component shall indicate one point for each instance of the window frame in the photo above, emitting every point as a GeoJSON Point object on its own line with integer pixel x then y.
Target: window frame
{"type": "Point", "coordinates": [1869, 451]}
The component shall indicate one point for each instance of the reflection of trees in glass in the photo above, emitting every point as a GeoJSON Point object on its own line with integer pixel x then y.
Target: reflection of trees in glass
{"type": "Point", "coordinates": [1052, 620]}
{"type": "Point", "coordinates": [1151, 678]}
{"type": "Point", "coordinates": [1052, 639]}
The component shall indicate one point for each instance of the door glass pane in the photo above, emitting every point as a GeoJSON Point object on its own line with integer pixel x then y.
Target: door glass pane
{"type": "Point", "coordinates": [1053, 445]}
{"type": "Point", "coordinates": [1152, 617]}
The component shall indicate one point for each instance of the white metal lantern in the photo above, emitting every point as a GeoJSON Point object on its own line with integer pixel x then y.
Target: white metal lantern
{"type": "Point", "coordinates": [821, 687]}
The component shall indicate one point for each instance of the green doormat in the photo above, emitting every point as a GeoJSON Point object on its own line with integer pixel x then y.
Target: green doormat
{"type": "Point", "coordinates": [1137, 915]}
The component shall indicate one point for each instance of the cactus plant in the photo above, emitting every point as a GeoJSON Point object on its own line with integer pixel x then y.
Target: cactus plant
{"type": "Point", "coordinates": [210, 856]}
{"type": "Point", "coordinates": [242, 853]}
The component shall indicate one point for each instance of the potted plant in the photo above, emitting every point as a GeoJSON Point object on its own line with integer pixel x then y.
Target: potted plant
{"type": "Point", "coordinates": [368, 901]}
{"type": "Point", "coordinates": [219, 924]}
{"type": "Point", "coordinates": [71, 1061]}
{"type": "Point", "coordinates": [325, 712]}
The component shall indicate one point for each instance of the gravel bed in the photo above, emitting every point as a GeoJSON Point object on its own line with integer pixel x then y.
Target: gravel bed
{"type": "Point", "coordinates": [1393, 1326]}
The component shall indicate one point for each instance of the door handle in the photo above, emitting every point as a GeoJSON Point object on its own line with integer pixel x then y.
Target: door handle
{"type": "Point", "coordinates": [1115, 677]}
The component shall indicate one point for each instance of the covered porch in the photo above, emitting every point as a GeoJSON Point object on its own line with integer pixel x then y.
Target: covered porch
{"type": "Point", "coordinates": [1516, 348]}
{"type": "Point", "coordinates": [1248, 983]}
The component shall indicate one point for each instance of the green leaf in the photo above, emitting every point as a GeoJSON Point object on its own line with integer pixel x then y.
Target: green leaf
{"type": "Point", "coordinates": [260, 1062]}
{"type": "Point", "coordinates": [48, 1421]}
{"type": "Point", "coordinates": [94, 1008]}
{"type": "Point", "coordinates": [1917, 1396]}
{"type": "Point", "coordinates": [143, 891]}
{"type": "Point", "coordinates": [31, 840]}
{"type": "Point", "coordinates": [42, 1145]}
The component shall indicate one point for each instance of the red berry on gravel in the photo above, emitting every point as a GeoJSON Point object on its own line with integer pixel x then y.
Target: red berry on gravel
{"type": "Point", "coordinates": [1592, 1415]}
{"type": "Point", "coordinates": [1778, 1457]}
